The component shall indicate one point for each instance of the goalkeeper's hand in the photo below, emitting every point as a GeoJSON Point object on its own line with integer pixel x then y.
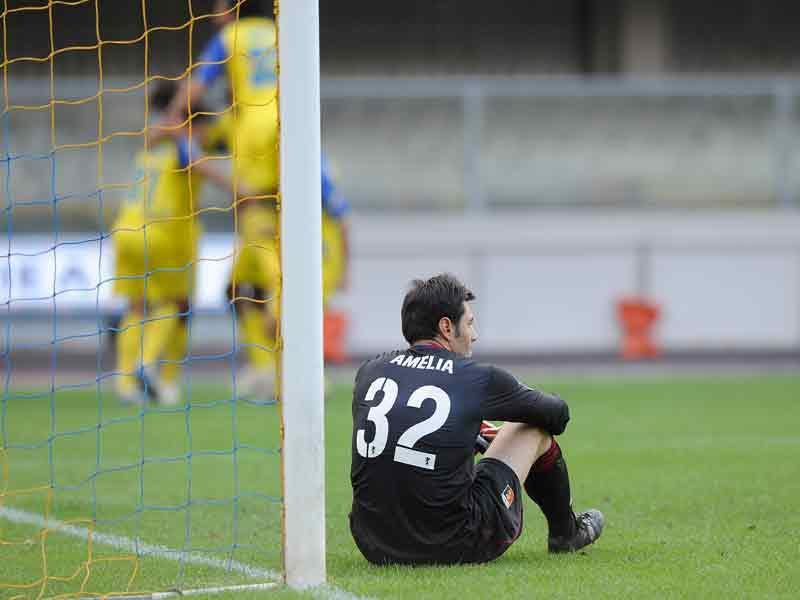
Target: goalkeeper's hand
{"type": "Point", "coordinates": [486, 435]}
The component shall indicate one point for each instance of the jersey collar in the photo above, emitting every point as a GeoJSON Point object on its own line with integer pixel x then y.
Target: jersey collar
{"type": "Point", "coordinates": [429, 346]}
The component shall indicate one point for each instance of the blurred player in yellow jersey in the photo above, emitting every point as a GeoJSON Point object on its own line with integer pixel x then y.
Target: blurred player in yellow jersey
{"type": "Point", "coordinates": [244, 51]}
{"type": "Point", "coordinates": [260, 279]}
{"type": "Point", "coordinates": [256, 275]}
{"type": "Point", "coordinates": [155, 238]}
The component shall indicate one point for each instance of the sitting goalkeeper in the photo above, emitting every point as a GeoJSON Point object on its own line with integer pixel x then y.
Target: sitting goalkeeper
{"type": "Point", "coordinates": [155, 237]}
{"type": "Point", "coordinates": [418, 496]}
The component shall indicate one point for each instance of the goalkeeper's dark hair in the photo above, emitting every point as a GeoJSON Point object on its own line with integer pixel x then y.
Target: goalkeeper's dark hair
{"type": "Point", "coordinates": [252, 8]}
{"type": "Point", "coordinates": [428, 301]}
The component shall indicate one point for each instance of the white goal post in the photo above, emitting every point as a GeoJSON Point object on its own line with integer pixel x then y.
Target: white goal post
{"type": "Point", "coordinates": [302, 385]}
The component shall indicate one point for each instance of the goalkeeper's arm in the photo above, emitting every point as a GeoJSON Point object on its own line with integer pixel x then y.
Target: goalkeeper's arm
{"type": "Point", "coordinates": [486, 435]}
{"type": "Point", "coordinates": [506, 399]}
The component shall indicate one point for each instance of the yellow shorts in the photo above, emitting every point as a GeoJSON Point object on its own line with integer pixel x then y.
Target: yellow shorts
{"type": "Point", "coordinates": [154, 260]}
{"type": "Point", "coordinates": [257, 264]}
{"type": "Point", "coordinates": [258, 261]}
{"type": "Point", "coordinates": [257, 220]}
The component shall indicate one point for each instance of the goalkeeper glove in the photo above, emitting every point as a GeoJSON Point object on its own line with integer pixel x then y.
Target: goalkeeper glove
{"type": "Point", "coordinates": [486, 435]}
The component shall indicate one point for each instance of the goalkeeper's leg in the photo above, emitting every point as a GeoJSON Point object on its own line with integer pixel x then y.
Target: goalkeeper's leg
{"type": "Point", "coordinates": [536, 458]}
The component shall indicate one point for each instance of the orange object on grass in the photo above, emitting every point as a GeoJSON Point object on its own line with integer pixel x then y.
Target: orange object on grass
{"type": "Point", "coordinates": [637, 317]}
{"type": "Point", "coordinates": [334, 336]}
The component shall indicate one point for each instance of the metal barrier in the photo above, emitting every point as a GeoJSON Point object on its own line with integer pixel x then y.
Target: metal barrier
{"type": "Point", "coordinates": [469, 144]}
{"type": "Point", "coordinates": [658, 135]}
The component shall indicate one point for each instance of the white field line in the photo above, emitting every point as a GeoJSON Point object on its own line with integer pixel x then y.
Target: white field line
{"type": "Point", "coordinates": [22, 517]}
{"type": "Point", "coordinates": [129, 545]}
{"type": "Point", "coordinates": [204, 591]}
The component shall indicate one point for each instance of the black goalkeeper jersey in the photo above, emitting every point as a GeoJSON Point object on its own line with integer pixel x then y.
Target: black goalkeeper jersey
{"type": "Point", "coordinates": [416, 415]}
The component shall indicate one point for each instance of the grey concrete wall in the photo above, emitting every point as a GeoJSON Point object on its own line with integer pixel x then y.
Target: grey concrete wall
{"type": "Point", "coordinates": [544, 282]}
{"type": "Point", "coordinates": [550, 282]}
{"type": "Point", "coordinates": [579, 147]}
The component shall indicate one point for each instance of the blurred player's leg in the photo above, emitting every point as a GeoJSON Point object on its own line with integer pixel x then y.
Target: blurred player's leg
{"type": "Point", "coordinates": [161, 322]}
{"type": "Point", "coordinates": [257, 378]}
{"type": "Point", "coordinates": [168, 382]}
{"type": "Point", "coordinates": [174, 357]}
{"type": "Point", "coordinates": [258, 337]}
{"type": "Point", "coordinates": [128, 347]}
{"type": "Point", "coordinates": [130, 283]}
{"type": "Point", "coordinates": [255, 291]}
{"type": "Point", "coordinates": [175, 354]}
{"type": "Point", "coordinates": [172, 248]}
{"type": "Point", "coordinates": [160, 326]}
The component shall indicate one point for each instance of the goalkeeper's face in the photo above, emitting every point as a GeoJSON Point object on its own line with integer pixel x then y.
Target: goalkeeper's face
{"type": "Point", "coordinates": [465, 333]}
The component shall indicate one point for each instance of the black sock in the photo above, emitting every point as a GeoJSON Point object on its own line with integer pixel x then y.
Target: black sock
{"type": "Point", "coordinates": [547, 484]}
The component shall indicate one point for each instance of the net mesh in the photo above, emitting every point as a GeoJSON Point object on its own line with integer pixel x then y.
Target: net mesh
{"type": "Point", "coordinates": [139, 436]}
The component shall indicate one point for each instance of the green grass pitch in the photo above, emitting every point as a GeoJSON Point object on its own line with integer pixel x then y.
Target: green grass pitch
{"type": "Point", "coordinates": [699, 480]}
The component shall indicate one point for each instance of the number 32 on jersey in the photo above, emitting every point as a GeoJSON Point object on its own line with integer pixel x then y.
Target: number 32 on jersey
{"type": "Point", "coordinates": [404, 451]}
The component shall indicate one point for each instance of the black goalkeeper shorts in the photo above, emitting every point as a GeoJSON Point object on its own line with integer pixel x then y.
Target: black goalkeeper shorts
{"type": "Point", "coordinates": [497, 510]}
{"type": "Point", "coordinates": [493, 522]}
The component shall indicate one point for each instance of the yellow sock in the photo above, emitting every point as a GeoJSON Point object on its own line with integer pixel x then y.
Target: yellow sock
{"type": "Point", "coordinates": [161, 322]}
{"type": "Point", "coordinates": [129, 345]}
{"type": "Point", "coordinates": [177, 345]}
{"type": "Point", "coordinates": [252, 330]}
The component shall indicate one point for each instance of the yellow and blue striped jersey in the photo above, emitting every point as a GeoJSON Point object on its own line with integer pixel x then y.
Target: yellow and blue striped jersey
{"type": "Point", "coordinates": [334, 203]}
{"type": "Point", "coordinates": [163, 186]}
{"type": "Point", "coordinates": [246, 49]}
